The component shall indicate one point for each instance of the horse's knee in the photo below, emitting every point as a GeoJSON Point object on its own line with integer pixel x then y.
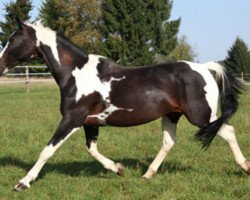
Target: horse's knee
{"type": "Point", "coordinates": [168, 141]}
{"type": "Point", "coordinates": [169, 133]}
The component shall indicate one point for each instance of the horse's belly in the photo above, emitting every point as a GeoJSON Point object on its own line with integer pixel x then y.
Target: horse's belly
{"type": "Point", "coordinates": [122, 118]}
{"type": "Point", "coordinates": [131, 110]}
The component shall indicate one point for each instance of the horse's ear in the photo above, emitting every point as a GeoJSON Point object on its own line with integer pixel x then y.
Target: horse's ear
{"type": "Point", "coordinates": [17, 21]}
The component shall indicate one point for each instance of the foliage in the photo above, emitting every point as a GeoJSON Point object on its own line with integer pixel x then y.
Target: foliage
{"type": "Point", "coordinates": [50, 13]}
{"type": "Point", "coordinates": [77, 19]}
{"type": "Point", "coordinates": [238, 58]}
{"type": "Point", "coordinates": [134, 31]}
{"type": "Point", "coordinates": [183, 51]}
{"type": "Point", "coordinates": [29, 120]}
{"type": "Point", "coordinates": [20, 8]}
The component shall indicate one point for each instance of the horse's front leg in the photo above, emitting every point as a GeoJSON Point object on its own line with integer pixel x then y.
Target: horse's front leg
{"type": "Point", "coordinates": [63, 132]}
{"type": "Point", "coordinates": [91, 133]}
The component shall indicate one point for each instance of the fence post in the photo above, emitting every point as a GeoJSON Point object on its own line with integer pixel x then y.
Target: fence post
{"type": "Point", "coordinates": [242, 76]}
{"type": "Point", "coordinates": [27, 79]}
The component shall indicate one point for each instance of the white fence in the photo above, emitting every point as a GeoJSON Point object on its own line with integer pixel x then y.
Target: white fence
{"type": "Point", "coordinates": [245, 78]}
{"type": "Point", "coordinates": [27, 77]}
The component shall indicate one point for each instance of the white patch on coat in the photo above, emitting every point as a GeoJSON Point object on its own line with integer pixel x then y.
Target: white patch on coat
{"type": "Point", "coordinates": [107, 163]}
{"type": "Point", "coordinates": [4, 49]}
{"type": "Point", "coordinates": [169, 139]}
{"type": "Point", "coordinates": [227, 132]}
{"type": "Point", "coordinates": [6, 46]}
{"type": "Point", "coordinates": [108, 111]}
{"type": "Point", "coordinates": [88, 82]}
{"type": "Point", "coordinates": [5, 71]}
{"type": "Point", "coordinates": [219, 69]}
{"type": "Point", "coordinates": [1, 54]}
{"type": "Point", "coordinates": [211, 87]}
{"type": "Point", "coordinates": [46, 153]}
{"type": "Point", "coordinates": [45, 36]}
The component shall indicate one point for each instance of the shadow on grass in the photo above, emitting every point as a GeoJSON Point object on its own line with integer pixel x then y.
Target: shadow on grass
{"type": "Point", "coordinates": [94, 168]}
{"type": "Point", "coordinates": [143, 164]}
{"type": "Point", "coordinates": [238, 173]}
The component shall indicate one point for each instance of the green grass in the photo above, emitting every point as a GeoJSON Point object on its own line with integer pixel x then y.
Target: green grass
{"type": "Point", "coordinates": [27, 121]}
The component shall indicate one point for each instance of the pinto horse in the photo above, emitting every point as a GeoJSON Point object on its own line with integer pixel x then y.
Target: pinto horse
{"type": "Point", "coordinates": [96, 91]}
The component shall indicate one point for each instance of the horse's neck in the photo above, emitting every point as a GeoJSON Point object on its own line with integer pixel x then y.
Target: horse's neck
{"type": "Point", "coordinates": [61, 66]}
{"type": "Point", "coordinates": [51, 62]}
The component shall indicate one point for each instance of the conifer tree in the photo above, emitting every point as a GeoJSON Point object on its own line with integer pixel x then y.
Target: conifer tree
{"type": "Point", "coordinates": [135, 31]}
{"type": "Point", "coordinates": [183, 51]}
{"type": "Point", "coordinates": [238, 58]}
{"type": "Point", "coordinates": [77, 19]}
{"type": "Point", "coordinates": [50, 13]}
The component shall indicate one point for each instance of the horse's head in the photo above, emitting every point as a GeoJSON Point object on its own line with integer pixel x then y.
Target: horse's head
{"type": "Point", "coordinates": [20, 47]}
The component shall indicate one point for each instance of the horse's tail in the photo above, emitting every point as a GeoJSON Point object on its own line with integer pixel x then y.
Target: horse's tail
{"type": "Point", "coordinates": [230, 88]}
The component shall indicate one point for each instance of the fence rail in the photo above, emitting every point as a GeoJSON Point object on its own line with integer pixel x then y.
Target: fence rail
{"type": "Point", "coordinates": [27, 75]}
{"type": "Point", "coordinates": [245, 78]}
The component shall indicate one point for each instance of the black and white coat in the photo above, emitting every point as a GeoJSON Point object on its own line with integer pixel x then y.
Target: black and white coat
{"type": "Point", "coordinates": [96, 91]}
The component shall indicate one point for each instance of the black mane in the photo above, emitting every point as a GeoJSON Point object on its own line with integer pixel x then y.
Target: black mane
{"type": "Point", "coordinates": [70, 45]}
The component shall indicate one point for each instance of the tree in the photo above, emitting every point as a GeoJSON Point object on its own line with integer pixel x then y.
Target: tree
{"type": "Point", "coordinates": [50, 13]}
{"type": "Point", "coordinates": [183, 51]}
{"type": "Point", "coordinates": [77, 19]}
{"type": "Point", "coordinates": [20, 8]}
{"type": "Point", "coordinates": [238, 58]}
{"type": "Point", "coordinates": [135, 31]}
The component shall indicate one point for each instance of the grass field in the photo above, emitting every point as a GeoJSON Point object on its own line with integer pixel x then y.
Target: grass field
{"type": "Point", "coordinates": [27, 121]}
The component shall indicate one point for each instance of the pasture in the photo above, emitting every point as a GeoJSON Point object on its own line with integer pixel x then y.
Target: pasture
{"type": "Point", "coordinates": [27, 121]}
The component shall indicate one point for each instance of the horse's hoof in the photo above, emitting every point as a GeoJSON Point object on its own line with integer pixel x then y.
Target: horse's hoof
{"type": "Point", "coordinates": [120, 170]}
{"type": "Point", "coordinates": [145, 178]}
{"type": "Point", "coordinates": [149, 174]}
{"type": "Point", "coordinates": [246, 167]}
{"type": "Point", "coordinates": [247, 170]}
{"type": "Point", "coordinates": [21, 187]}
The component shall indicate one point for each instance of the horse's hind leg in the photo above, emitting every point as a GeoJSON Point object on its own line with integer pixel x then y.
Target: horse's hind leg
{"type": "Point", "coordinates": [169, 139]}
{"type": "Point", "coordinates": [227, 133]}
{"type": "Point", "coordinates": [91, 133]}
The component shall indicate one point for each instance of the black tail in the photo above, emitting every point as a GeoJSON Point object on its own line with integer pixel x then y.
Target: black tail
{"type": "Point", "coordinates": [229, 88]}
